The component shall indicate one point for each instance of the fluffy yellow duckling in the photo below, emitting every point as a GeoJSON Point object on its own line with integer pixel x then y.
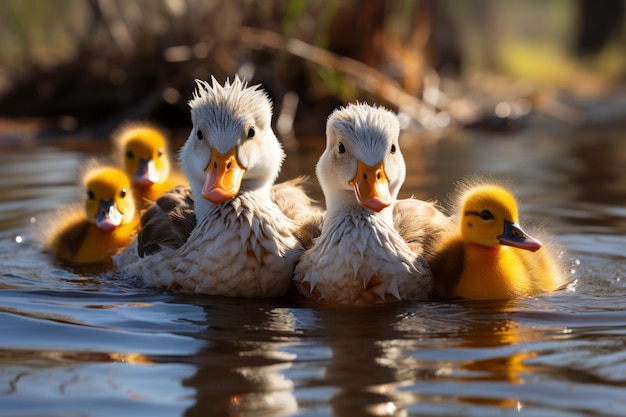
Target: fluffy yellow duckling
{"type": "Point", "coordinates": [105, 225]}
{"type": "Point", "coordinates": [360, 257]}
{"type": "Point", "coordinates": [142, 151]}
{"type": "Point", "coordinates": [491, 257]}
{"type": "Point", "coordinates": [242, 243]}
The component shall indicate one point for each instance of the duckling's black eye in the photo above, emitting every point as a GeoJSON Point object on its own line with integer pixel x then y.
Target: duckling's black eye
{"type": "Point", "coordinates": [91, 195]}
{"type": "Point", "coordinates": [251, 132]}
{"type": "Point", "coordinates": [342, 149]}
{"type": "Point", "coordinates": [199, 134]}
{"type": "Point", "coordinates": [123, 193]}
{"type": "Point", "coordinates": [393, 148]}
{"type": "Point", "coordinates": [485, 215]}
{"type": "Point", "coordinates": [161, 151]}
{"type": "Point", "coordinates": [130, 154]}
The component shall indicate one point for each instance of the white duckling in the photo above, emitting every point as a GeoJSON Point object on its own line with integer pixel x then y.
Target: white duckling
{"type": "Point", "coordinates": [360, 257]}
{"type": "Point", "coordinates": [242, 244]}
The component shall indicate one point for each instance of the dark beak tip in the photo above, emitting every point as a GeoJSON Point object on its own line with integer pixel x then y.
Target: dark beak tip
{"type": "Point", "coordinates": [527, 243]}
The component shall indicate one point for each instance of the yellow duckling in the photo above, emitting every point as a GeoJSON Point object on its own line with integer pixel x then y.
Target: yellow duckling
{"type": "Point", "coordinates": [492, 257]}
{"type": "Point", "coordinates": [242, 244]}
{"type": "Point", "coordinates": [361, 256]}
{"type": "Point", "coordinates": [142, 150]}
{"type": "Point", "coordinates": [105, 225]}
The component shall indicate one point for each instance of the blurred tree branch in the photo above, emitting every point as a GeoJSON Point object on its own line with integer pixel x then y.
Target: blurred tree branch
{"type": "Point", "coordinates": [139, 59]}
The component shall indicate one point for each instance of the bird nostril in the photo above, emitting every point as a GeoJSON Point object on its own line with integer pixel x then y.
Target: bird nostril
{"type": "Point", "coordinates": [364, 176]}
{"type": "Point", "coordinates": [215, 164]}
{"type": "Point", "coordinates": [377, 175]}
{"type": "Point", "coordinates": [228, 165]}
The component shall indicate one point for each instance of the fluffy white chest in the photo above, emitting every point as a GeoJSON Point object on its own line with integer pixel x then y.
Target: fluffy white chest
{"type": "Point", "coordinates": [241, 248]}
{"type": "Point", "coordinates": [361, 258]}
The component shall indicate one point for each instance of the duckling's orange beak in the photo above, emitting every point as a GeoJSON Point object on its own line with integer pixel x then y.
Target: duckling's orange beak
{"type": "Point", "coordinates": [223, 176]}
{"type": "Point", "coordinates": [371, 186]}
{"type": "Point", "coordinates": [514, 236]}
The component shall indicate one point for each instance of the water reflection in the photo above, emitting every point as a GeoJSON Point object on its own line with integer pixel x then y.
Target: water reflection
{"type": "Point", "coordinates": [399, 359]}
{"type": "Point", "coordinates": [490, 331]}
{"type": "Point", "coordinates": [470, 353]}
{"type": "Point", "coordinates": [240, 369]}
{"type": "Point", "coordinates": [68, 343]}
{"type": "Point", "coordinates": [601, 178]}
{"type": "Point", "coordinates": [35, 183]}
{"type": "Point", "coordinates": [368, 361]}
{"type": "Point", "coordinates": [77, 343]}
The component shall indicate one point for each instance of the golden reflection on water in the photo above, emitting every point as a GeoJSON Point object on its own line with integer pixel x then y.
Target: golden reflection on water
{"type": "Point", "coordinates": [374, 368]}
{"type": "Point", "coordinates": [496, 342]}
{"type": "Point", "coordinates": [509, 367]}
{"type": "Point", "coordinates": [130, 357]}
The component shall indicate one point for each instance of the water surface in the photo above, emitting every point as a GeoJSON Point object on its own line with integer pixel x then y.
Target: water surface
{"type": "Point", "coordinates": [88, 343]}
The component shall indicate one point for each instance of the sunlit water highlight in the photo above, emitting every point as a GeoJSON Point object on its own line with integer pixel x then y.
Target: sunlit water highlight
{"type": "Point", "coordinates": [75, 343]}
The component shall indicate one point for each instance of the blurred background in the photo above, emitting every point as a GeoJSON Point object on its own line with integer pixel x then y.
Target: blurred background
{"type": "Point", "coordinates": [84, 66]}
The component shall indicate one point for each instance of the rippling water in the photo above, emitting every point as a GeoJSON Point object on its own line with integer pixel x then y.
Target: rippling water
{"type": "Point", "coordinates": [78, 343]}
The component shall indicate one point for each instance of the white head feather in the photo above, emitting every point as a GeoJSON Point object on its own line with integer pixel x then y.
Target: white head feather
{"type": "Point", "coordinates": [368, 134]}
{"type": "Point", "coordinates": [222, 117]}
